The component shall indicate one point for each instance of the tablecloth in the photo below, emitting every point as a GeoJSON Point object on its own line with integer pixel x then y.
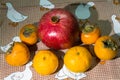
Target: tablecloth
{"type": "Point", "coordinates": [101, 16]}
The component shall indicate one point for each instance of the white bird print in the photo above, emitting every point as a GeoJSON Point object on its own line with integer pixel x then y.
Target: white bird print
{"type": "Point", "coordinates": [61, 75]}
{"type": "Point", "coordinates": [82, 11]}
{"type": "Point", "coordinates": [116, 24]}
{"type": "Point", "coordinates": [6, 47]}
{"type": "Point", "coordinates": [14, 15]}
{"type": "Point", "coordinates": [65, 73]}
{"type": "Point", "coordinates": [46, 4]}
{"type": "Point", "coordinates": [25, 75]}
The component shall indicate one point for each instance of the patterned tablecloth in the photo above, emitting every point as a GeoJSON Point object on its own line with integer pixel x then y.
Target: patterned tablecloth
{"type": "Point", "coordinates": [101, 16]}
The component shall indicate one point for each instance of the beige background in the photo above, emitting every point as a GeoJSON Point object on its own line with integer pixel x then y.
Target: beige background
{"type": "Point", "coordinates": [101, 16]}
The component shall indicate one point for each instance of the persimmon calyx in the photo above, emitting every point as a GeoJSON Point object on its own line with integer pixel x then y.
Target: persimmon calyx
{"type": "Point", "coordinates": [78, 53]}
{"type": "Point", "coordinates": [11, 48]}
{"type": "Point", "coordinates": [110, 44]}
{"type": "Point", "coordinates": [88, 28]}
{"type": "Point", "coordinates": [28, 31]}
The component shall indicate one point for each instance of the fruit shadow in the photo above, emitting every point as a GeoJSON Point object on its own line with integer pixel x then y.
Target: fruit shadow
{"type": "Point", "coordinates": [71, 8]}
{"type": "Point", "coordinates": [36, 24]}
{"type": "Point", "coordinates": [32, 49]}
{"type": "Point", "coordinates": [104, 25]}
{"type": "Point", "coordinates": [60, 55]}
{"type": "Point", "coordinates": [95, 60]}
{"type": "Point", "coordinates": [117, 40]}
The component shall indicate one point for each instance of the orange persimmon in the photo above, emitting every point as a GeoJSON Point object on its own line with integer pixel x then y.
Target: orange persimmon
{"type": "Point", "coordinates": [90, 33]}
{"type": "Point", "coordinates": [18, 54]}
{"type": "Point", "coordinates": [45, 62]}
{"type": "Point", "coordinates": [28, 34]}
{"type": "Point", "coordinates": [78, 59]}
{"type": "Point", "coordinates": [105, 48]}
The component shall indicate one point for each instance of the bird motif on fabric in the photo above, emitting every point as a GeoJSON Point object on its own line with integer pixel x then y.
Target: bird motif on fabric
{"type": "Point", "coordinates": [25, 75]}
{"type": "Point", "coordinates": [14, 15]}
{"type": "Point", "coordinates": [46, 5]}
{"type": "Point", "coordinates": [116, 24]}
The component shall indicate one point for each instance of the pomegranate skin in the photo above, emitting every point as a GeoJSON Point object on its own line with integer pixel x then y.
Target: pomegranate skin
{"type": "Point", "coordinates": [58, 29]}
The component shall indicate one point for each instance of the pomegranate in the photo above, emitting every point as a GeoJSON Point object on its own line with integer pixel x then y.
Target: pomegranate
{"type": "Point", "coordinates": [58, 29]}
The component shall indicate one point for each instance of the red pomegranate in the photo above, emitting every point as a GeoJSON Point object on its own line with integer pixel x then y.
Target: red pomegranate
{"type": "Point", "coordinates": [58, 29]}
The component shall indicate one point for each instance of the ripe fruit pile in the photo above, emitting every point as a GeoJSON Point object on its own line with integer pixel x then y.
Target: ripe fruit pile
{"type": "Point", "coordinates": [58, 29]}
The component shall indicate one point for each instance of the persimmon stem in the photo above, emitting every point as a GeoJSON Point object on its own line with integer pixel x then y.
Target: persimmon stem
{"type": "Point", "coordinates": [44, 58]}
{"type": "Point", "coordinates": [102, 62]}
{"type": "Point", "coordinates": [110, 44]}
{"type": "Point", "coordinates": [78, 53]}
{"type": "Point", "coordinates": [27, 32]}
{"type": "Point", "coordinates": [10, 49]}
{"type": "Point", "coordinates": [88, 28]}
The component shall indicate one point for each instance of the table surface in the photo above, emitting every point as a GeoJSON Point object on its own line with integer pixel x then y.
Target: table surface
{"type": "Point", "coordinates": [101, 16]}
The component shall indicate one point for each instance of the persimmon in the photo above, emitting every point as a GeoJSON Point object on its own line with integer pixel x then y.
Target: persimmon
{"type": "Point", "coordinates": [90, 33]}
{"type": "Point", "coordinates": [78, 59]}
{"type": "Point", "coordinates": [28, 34]}
{"type": "Point", "coordinates": [105, 48]}
{"type": "Point", "coordinates": [18, 54]}
{"type": "Point", "coordinates": [45, 62]}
